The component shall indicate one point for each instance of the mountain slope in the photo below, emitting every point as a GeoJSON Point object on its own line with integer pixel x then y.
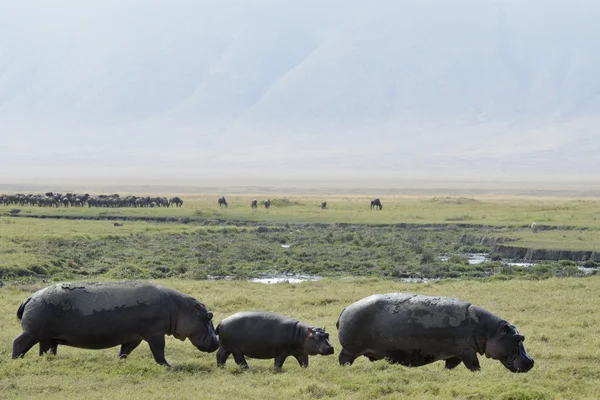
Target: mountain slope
{"type": "Point", "coordinates": [500, 87]}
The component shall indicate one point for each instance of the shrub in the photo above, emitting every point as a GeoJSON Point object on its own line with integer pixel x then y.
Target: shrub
{"type": "Point", "coordinates": [7, 272]}
{"type": "Point", "coordinates": [128, 272]}
{"type": "Point", "coordinates": [427, 257]}
{"type": "Point", "coordinates": [456, 259]}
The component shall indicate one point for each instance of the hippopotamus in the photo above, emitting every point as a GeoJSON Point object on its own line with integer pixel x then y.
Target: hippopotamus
{"type": "Point", "coordinates": [103, 315]}
{"type": "Point", "coordinates": [265, 335]}
{"type": "Point", "coordinates": [415, 330]}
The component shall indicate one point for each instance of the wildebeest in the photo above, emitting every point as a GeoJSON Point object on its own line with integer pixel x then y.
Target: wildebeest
{"type": "Point", "coordinates": [103, 315]}
{"type": "Point", "coordinates": [376, 204]}
{"type": "Point", "coordinates": [534, 227]}
{"type": "Point", "coordinates": [415, 330]}
{"type": "Point", "coordinates": [52, 199]}
{"type": "Point", "coordinates": [324, 205]}
{"type": "Point", "coordinates": [222, 201]}
{"type": "Point", "coordinates": [177, 201]}
{"type": "Point", "coordinates": [265, 335]}
{"type": "Point", "coordinates": [254, 203]}
{"type": "Point", "coordinates": [267, 203]}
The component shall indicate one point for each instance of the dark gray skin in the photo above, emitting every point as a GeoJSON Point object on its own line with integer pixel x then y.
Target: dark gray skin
{"type": "Point", "coordinates": [376, 204]}
{"type": "Point", "coordinates": [254, 203]}
{"type": "Point", "coordinates": [416, 330]}
{"type": "Point", "coordinates": [266, 335]}
{"type": "Point", "coordinates": [324, 205]}
{"type": "Point", "coordinates": [103, 315]}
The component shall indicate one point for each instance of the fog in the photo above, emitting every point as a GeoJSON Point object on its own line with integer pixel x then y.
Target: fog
{"type": "Point", "coordinates": [330, 93]}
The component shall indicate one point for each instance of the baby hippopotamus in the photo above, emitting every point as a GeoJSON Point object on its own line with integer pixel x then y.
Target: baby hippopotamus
{"type": "Point", "coordinates": [265, 335]}
{"type": "Point", "coordinates": [416, 330]}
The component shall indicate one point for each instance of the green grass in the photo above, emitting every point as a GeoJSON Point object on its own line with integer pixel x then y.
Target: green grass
{"type": "Point", "coordinates": [75, 249]}
{"type": "Point", "coordinates": [483, 209]}
{"type": "Point", "coordinates": [346, 239]}
{"type": "Point", "coordinates": [558, 317]}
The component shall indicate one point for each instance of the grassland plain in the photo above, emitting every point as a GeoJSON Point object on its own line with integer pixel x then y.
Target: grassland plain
{"type": "Point", "coordinates": [558, 317]}
{"type": "Point", "coordinates": [59, 249]}
{"type": "Point", "coordinates": [405, 239]}
{"type": "Point", "coordinates": [496, 210]}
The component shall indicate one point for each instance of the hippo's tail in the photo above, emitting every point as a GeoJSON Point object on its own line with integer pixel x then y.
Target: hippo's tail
{"type": "Point", "coordinates": [217, 329]}
{"type": "Point", "coordinates": [337, 323]}
{"type": "Point", "coordinates": [21, 309]}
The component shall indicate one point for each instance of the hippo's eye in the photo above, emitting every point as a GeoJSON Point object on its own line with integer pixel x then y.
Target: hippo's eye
{"type": "Point", "coordinates": [519, 338]}
{"type": "Point", "coordinates": [209, 315]}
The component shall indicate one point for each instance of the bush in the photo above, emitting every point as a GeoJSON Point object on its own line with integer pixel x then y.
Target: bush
{"type": "Point", "coordinates": [456, 259]}
{"type": "Point", "coordinates": [7, 272]}
{"type": "Point", "coordinates": [38, 269]}
{"type": "Point", "coordinates": [128, 272]}
{"type": "Point", "coordinates": [283, 202]}
{"type": "Point", "coordinates": [427, 257]}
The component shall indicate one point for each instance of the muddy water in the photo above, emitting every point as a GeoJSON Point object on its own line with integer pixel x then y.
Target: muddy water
{"type": "Point", "coordinates": [284, 278]}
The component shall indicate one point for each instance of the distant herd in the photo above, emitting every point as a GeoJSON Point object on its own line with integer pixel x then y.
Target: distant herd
{"type": "Point", "coordinates": [408, 329]}
{"type": "Point", "coordinates": [52, 199]}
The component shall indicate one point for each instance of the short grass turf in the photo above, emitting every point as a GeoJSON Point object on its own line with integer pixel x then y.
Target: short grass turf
{"type": "Point", "coordinates": [558, 317]}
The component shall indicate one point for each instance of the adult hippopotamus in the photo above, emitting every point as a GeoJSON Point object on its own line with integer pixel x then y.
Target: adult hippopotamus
{"type": "Point", "coordinates": [415, 330]}
{"type": "Point", "coordinates": [265, 335]}
{"type": "Point", "coordinates": [102, 315]}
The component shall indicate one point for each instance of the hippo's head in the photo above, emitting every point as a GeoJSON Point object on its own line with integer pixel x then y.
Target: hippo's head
{"type": "Point", "coordinates": [195, 323]}
{"type": "Point", "coordinates": [317, 342]}
{"type": "Point", "coordinates": [506, 346]}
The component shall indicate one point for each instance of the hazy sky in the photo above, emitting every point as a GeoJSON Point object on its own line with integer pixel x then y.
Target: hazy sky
{"type": "Point", "coordinates": [201, 91]}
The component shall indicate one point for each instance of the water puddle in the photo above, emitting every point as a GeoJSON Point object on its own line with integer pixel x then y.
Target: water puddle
{"type": "Point", "coordinates": [520, 264]}
{"type": "Point", "coordinates": [476, 258]}
{"type": "Point", "coordinates": [418, 280]}
{"type": "Point", "coordinates": [587, 271]}
{"type": "Point", "coordinates": [285, 278]}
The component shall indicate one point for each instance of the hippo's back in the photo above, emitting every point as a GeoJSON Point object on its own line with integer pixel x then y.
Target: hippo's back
{"type": "Point", "coordinates": [76, 311]}
{"type": "Point", "coordinates": [258, 334]}
{"type": "Point", "coordinates": [398, 320]}
{"type": "Point", "coordinates": [90, 298]}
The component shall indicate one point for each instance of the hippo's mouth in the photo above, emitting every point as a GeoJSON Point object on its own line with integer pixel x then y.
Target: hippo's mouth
{"type": "Point", "coordinates": [519, 361]}
{"type": "Point", "coordinates": [327, 351]}
{"type": "Point", "coordinates": [208, 345]}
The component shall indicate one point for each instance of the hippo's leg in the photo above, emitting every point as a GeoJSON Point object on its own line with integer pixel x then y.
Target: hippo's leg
{"type": "Point", "coordinates": [280, 359]}
{"type": "Point", "coordinates": [346, 358]}
{"type": "Point", "coordinates": [222, 356]}
{"type": "Point", "coordinates": [240, 360]}
{"type": "Point", "coordinates": [22, 344]}
{"type": "Point", "coordinates": [48, 346]}
{"type": "Point", "coordinates": [127, 348]}
{"type": "Point", "coordinates": [471, 361]}
{"type": "Point", "coordinates": [452, 362]}
{"type": "Point", "coordinates": [157, 347]}
{"type": "Point", "coordinates": [302, 360]}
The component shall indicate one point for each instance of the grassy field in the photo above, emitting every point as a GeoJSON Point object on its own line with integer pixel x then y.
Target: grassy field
{"type": "Point", "coordinates": [360, 251]}
{"type": "Point", "coordinates": [59, 249]}
{"type": "Point", "coordinates": [345, 239]}
{"type": "Point", "coordinates": [558, 317]}
{"type": "Point", "coordinates": [494, 210]}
